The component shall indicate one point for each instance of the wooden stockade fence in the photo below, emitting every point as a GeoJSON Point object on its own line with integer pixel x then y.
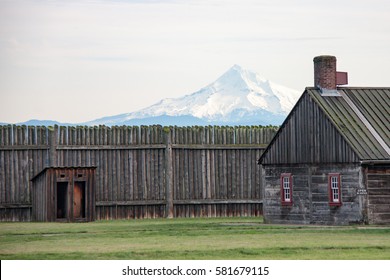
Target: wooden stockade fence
{"type": "Point", "coordinates": [142, 172]}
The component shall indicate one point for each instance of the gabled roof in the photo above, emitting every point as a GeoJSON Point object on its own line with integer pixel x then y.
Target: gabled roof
{"type": "Point", "coordinates": [360, 115]}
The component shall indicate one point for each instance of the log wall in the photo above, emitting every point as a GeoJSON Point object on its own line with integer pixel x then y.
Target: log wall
{"type": "Point", "coordinates": [310, 195]}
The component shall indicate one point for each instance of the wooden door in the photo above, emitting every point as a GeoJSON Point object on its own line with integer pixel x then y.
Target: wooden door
{"type": "Point", "coordinates": [79, 200]}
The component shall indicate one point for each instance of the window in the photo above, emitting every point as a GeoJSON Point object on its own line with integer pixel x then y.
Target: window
{"type": "Point", "coordinates": [286, 188]}
{"type": "Point", "coordinates": [334, 189]}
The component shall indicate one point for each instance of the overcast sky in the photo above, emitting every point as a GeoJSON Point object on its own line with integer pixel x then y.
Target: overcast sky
{"type": "Point", "coordinates": [75, 61]}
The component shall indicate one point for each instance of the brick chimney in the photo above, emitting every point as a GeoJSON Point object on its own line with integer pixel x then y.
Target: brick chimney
{"type": "Point", "coordinates": [325, 75]}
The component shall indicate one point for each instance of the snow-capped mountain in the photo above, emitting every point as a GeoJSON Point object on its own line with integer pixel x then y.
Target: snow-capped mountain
{"type": "Point", "coordinates": [238, 97]}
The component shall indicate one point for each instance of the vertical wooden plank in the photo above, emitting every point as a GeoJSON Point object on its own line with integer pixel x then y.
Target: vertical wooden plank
{"type": "Point", "coordinates": [144, 185]}
{"type": "Point", "coordinates": [84, 153]}
{"type": "Point", "coordinates": [221, 166]}
{"type": "Point", "coordinates": [3, 166]}
{"type": "Point", "coordinates": [114, 170]}
{"type": "Point", "coordinates": [23, 174]}
{"type": "Point", "coordinates": [169, 180]}
{"type": "Point", "coordinates": [195, 171]}
{"type": "Point", "coordinates": [53, 136]}
{"type": "Point", "coordinates": [139, 175]}
{"type": "Point", "coordinates": [39, 139]}
{"type": "Point", "coordinates": [60, 152]}
{"type": "Point", "coordinates": [204, 167]}
{"type": "Point", "coordinates": [135, 163]}
{"type": "Point", "coordinates": [17, 166]}
{"type": "Point", "coordinates": [150, 173]}
{"type": "Point", "coordinates": [1, 135]}
{"type": "Point", "coordinates": [127, 175]}
{"type": "Point", "coordinates": [11, 171]}
{"type": "Point", "coordinates": [190, 167]}
{"type": "Point", "coordinates": [175, 166]}
{"type": "Point", "coordinates": [154, 164]}
{"type": "Point", "coordinates": [208, 168]}
{"type": "Point", "coordinates": [189, 170]}
{"type": "Point", "coordinates": [79, 142]}
{"type": "Point", "coordinates": [148, 165]}
{"type": "Point", "coordinates": [3, 177]}
{"type": "Point", "coordinates": [182, 171]}
{"type": "Point", "coordinates": [120, 175]}
{"type": "Point", "coordinates": [213, 165]}
{"type": "Point", "coordinates": [105, 181]}
{"type": "Point", "coordinates": [159, 179]}
{"type": "Point", "coordinates": [132, 175]}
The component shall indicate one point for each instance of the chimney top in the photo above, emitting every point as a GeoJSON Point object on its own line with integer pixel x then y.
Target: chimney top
{"type": "Point", "coordinates": [325, 72]}
{"type": "Point", "coordinates": [326, 78]}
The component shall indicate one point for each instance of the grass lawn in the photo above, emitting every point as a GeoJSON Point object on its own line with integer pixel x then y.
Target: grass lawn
{"type": "Point", "coordinates": [216, 238]}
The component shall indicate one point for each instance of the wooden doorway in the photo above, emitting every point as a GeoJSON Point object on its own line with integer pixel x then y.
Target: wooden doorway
{"type": "Point", "coordinates": [64, 194]}
{"type": "Point", "coordinates": [62, 200]}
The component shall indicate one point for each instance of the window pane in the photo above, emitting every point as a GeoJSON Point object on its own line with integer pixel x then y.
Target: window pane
{"type": "Point", "coordinates": [286, 189]}
{"type": "Point", "coordinates": [334, 184]}
{"type": "Point", "coordinates": [286, 182]}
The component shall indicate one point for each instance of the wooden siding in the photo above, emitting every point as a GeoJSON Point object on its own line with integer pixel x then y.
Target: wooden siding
{"type": "Point", "coordinates": [142, 172]}
{"type": "Point", "coordinates": [310, 195]}
{"type": "Point", "coordinates": [45, 193]}
{"type": "Point", "coordinates": [39, 193]}
{"type": "Point", "coordinates": [378, 188]}
{"type": "Point", "coordinates": [308, 136]}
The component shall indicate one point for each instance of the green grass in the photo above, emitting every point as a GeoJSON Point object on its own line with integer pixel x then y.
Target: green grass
{"type": "Point", "coordinates": [220, 238]}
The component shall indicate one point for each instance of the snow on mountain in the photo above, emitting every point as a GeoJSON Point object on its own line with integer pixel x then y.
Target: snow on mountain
{"type": "Point", "coordinates": [238, 97]}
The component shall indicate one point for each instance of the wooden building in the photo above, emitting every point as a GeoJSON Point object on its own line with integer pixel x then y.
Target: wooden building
{"type": "Point", "coordinates": [64, 194]}
{"type": "Point", "coordinates": [329, 162]}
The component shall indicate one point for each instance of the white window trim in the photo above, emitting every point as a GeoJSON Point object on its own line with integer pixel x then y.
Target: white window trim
{"type": "Point", "coordinates": [334, 184]}
{"type": "Point", "coordinates": [286, 188]}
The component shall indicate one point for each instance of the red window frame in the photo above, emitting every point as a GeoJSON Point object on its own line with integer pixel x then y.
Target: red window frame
{"type": "Point", "coordinates": [286, 189]}
{"type": "Point", "coordinates": [334, 186]}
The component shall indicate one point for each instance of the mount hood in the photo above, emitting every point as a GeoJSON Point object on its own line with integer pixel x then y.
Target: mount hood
{"type": "Point", "coordinates": [238, 97]}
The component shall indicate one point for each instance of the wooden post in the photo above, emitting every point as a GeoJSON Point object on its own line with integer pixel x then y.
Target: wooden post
{"type": "Point", "coordinates": [168, 174]}
{"type": "Point", "coordinates": [53, 146]}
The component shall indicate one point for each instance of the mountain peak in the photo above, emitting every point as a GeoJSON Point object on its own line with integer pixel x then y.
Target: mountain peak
{"type": "Point", "coordinates": [236, 67]}
{"type": "Point", "coordinates": [240, 79]}
{"type": "Point", "coordinates": [237, 97]}
{"type": "Point", "coordinates": [237, 70]}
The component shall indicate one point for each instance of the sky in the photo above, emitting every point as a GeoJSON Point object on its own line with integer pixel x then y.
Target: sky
{"type": "Point", "coordinates": [76, 61]}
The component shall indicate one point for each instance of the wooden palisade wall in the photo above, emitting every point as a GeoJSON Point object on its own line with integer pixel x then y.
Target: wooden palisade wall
{"type": "Point", "coordinates": [142, 172]}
